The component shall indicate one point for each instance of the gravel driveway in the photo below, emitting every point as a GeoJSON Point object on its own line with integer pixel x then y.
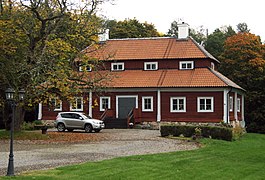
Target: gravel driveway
{"type": "Point", "coordinates": [116, 143]}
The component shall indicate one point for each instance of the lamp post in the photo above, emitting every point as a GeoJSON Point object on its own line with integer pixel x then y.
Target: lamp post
{"type": "Point", "coordinates": [10, 97]}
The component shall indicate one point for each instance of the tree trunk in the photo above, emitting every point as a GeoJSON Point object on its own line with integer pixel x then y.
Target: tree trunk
{"type": "Point", "coordinates": [19, 117]}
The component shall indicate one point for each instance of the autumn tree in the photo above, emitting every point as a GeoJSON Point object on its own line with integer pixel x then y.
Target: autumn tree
{"type": "Point", "coordinates": [243, 62]}
{"type": "Point", "coordinates": [40, 42]}
{"type": "Point", "coordinates": [131, 28]}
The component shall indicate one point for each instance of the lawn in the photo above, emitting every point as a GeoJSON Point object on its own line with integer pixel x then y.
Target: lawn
{"type": "Point", "coordinates": [241, 159]}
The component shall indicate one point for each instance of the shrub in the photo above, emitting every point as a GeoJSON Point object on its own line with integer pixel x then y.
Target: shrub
{"type": "Point", "coordinates": [29, 126]}
{"type": "Point", "coordinates": [215, 132]}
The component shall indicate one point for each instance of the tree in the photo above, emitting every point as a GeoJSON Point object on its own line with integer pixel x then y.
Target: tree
{"type": "Point", "coordinates": [243, 62]}
{"type": "Point", "coordinates": [215, 41]}
{"type": "Point", "coordinates": [131, 28]}
{"type": "Point", "coordinates": [40, 42]}
{"type": "Point", "coordinates": [242, 27]}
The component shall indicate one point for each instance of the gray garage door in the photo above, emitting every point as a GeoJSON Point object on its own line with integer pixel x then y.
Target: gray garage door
{"type": "Point", "coordinates": [125, 105]}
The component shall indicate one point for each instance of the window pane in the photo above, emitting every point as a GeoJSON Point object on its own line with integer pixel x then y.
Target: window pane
{"type": "Point", "coordinates": [148, 66]}
{"type": "Point", "coordinates": [105, 103]}
{"type": "Point", "coordinates": [79, 103]}
{"type": "Point", "coordinates": [153, 66]}
{"type": "Point", "coordinates": [183, 66]}
{"type": "Point", "coordinates": [175, 104]}
{"type": "Point", "coordinates": [189, 65]}
{"type": "Point", "coordinates": [147, 103]}
{"type": "Point", "coordinates": [181, 104]}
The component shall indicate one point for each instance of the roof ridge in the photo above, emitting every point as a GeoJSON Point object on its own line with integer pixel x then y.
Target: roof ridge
{"type": "Point", "coordinates": [144, 38]}
{"type": "Point", "coordinates": [162, 78]}
{"type": "Point", "coordinates": [225, 79]}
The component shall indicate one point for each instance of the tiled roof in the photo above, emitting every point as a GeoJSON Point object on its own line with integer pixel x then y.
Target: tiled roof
{"type": "Point", "coordinates": [199, 77]}
{"type": "Point", "coordinates": [149, 48]}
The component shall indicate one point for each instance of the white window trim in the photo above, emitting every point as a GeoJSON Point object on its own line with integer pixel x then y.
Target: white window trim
{"type": "Point", "coordinates": [61, 105]}
{"type": "Point", "coordinates": [143, 105]}
{"type": "Point", "coordinates": [186, 62]}
{"type": "Point", "coordinates": [113, 64]}
{"type": "Point", "coordinates": [178, 98]}
{"type": "Point", "coordinates": [150, 63]}
{"type": "Point", "coordinates": [231, 103]}
{"type": "Point", "coordinates": [238, 104]}
{"type": "Point", "coordinates": [100, 99]}
{"type": "Point", "coordinates": [82, 105]}
{"type": "Point", "coordinates": [198, 104]}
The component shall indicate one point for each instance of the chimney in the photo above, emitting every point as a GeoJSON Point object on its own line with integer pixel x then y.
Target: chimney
{"type": "Point", "coordinates": [183, 30]}
{"type": "Point", "coordinates": [104, 36]}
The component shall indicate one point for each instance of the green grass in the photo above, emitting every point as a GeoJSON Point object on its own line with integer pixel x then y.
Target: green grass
{"type": "Point", "coordinates": [242, 159]}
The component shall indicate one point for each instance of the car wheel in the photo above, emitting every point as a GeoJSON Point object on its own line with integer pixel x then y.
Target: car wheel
{"type": "Point", "coordinates": [70, 130]}
{"type": "Point", "coordinates": [61, 127]}
{"type": "Point", "coordinates": [88, 128]}
{"type": "Point", "coordinates": [97, 130]}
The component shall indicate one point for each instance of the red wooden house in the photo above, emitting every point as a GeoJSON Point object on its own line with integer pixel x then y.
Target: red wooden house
{"type": "Point", "coordinates": [164, 79]}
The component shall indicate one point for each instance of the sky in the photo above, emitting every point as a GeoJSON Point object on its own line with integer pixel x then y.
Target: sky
{"type": "Point", "coordinates": [210, 14]}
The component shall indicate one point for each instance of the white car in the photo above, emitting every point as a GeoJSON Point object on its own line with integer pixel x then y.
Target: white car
{"type": "Point", "coordinates": [77, 120]}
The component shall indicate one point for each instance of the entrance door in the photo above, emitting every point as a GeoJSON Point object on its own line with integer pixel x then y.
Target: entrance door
{"type": "Point", "coordinates": [125, 105]}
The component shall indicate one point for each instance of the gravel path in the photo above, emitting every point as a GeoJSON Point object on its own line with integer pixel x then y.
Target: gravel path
{"type": "Point", "coordinates": [116, 143]}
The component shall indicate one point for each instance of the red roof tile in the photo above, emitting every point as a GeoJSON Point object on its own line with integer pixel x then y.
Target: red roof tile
{"type": "Point", "coordinates": [149, 48]}
{"type": "Point", "coordinates": [199, 77]}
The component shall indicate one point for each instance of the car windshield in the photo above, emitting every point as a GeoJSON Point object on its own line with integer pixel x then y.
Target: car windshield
{"type": "Point", "coordinates": [86, 116]}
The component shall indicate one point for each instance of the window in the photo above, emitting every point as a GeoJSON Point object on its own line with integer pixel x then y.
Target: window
{"type": "Point", "coordinates": [57, 104]}
{"type": "Point", "coordinates": [150, 66]}
{"type": "Point", "coordinates": [117, 66]}
{"type": "Point", "coordinates": [205, 104]}
{"type": "Point", "coordinates": [77, 104]}
{"type": "Point", "coordinates": [186, 65]}
{"type": "Point", "coordinates": [86, 68]}
{"type": "Point", "coordinates": [147, 103]}
{"type": "Point", "coordinates": [104, 103]}
{"type": "Point", "coordinates": [238, 105]}
{"type": "Point", "coordinates": [212, 65]}
{"type": "Point", "coordinates": [231, 103]}
{"type": "Point", "coordinates": [178, 104]}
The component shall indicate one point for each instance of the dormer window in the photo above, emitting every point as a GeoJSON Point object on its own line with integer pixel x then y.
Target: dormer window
{"type": "Point", "coordinates": [150, 66]}
{"type": "Point", "coordinates": [186, 65]}
{"type": "Point", "coordinates": [85, 68]}
{"type": "Point", "coordinates": [117, 66]}
{"type": "Point", "coordinates": [212, 65]}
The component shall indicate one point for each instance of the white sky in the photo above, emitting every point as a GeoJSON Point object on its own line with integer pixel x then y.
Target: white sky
{"type": "Point", "coordinates": [211, 14]}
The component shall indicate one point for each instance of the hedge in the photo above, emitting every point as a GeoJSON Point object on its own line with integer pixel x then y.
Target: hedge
{"type": "Point", "coordinates": [215, 132]}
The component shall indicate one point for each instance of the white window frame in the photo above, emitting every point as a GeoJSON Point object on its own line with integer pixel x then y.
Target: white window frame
{"type": "Point", "coordinates": [143, 103]}
{"type": "Point", "coordinates": [186, 62]}
{"type": "Point", "coordinates": [231, 103]}
{"type": "Point", "coordinates": [117, 64]}
{"type": "Point", "coordinates": [238, 105]}
{"type": "Point", "coordinates": [76, 100]}
{"type": "Point", "coordinates": [205, 110]}
{"type": "Point", "coordinates": [150, 63]}
{"type": "Point", "coordinates": [101, 102]}
{"type": "Point", "coordinates": [177, 98]}
{"type": "Point", "coordinates": [56, 103]}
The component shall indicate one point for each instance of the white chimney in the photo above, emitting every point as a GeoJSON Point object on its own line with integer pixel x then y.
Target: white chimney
{"type": "Point", "coordinates": [104, 36]}
{"type": "Point", "coordinates": [183, 30]}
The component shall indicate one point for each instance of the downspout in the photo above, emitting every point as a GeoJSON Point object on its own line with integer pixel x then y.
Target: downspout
{"type": "Point", "coordinates": [90, 104]}
{"type": "Point", "coordinates": [228, 103]}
